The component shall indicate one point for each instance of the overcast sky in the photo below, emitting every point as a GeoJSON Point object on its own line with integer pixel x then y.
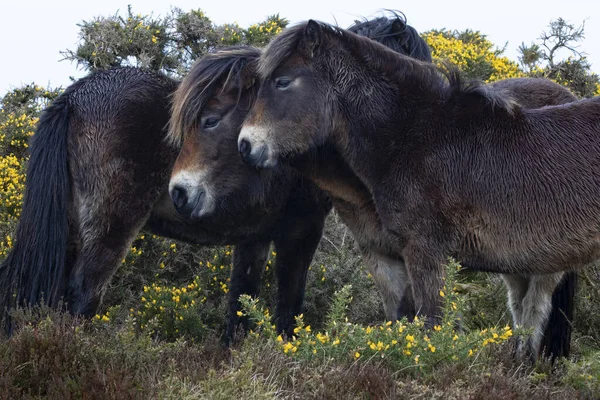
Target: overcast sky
{"type": "Point", "coordinates": [32, 32]}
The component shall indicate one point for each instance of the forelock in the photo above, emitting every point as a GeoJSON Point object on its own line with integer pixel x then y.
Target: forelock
{"type": "Point", "coordinates": [222, 69]}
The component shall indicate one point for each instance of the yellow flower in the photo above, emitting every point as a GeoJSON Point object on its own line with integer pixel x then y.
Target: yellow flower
{"type": "Point", "coordinates": [442, 293]}
{"type": "Point", "coordinates": [287, 347]}
{"type": "Point", "coordinates": [356, 355]}
{"type": "Point", "coordinates": [239, 313]}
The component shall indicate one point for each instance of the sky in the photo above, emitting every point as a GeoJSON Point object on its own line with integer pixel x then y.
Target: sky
{"type": "Point", "coordinates": [33, 32]}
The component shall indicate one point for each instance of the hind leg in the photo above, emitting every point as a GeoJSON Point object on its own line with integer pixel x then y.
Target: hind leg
{"type": "Point", "coordinates": [97, 261]}
{"type": "Point", "coordinates": [108, 221]}
{"type": "Point", "coordinates": [249, 260]}
{"type": "Point", "coordinates": [537, 305]}
{"type": "Point", "coordinates": [391, 279]}
{"type": "Point", "coordinates": [517, 286]}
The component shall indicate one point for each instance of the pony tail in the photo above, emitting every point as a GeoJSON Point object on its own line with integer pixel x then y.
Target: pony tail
{"type": "Point", "coordinates": [34, 271]}
{"type": "Point", "coordinates": [557, 335]}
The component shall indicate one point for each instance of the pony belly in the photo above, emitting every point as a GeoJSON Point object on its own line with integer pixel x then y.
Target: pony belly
{"type": "Point", "coordinates": [530, 256]}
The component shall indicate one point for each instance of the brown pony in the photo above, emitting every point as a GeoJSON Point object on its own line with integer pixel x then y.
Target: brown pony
{"type": "Point", "coordinates": [453, 170]}
{"type": "Point", "coordinates": [99, 172]}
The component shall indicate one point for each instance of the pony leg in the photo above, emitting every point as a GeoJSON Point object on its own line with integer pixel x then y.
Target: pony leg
{"type": "Point", "coordinates": [249, 259]}
{"type": "Point", "coordinates": [517, 286]}
{"type": "Point", "coordinates": [391, 279]}
{"type": "Point", "coordinates": [537, 305]}
{"type": "Point", "coordinates": [108, 222]}
{"type": "Point", "coordinates": [96, 262]}
{"type": "Point", "coordinates": [426, 275]}
{"type": "Point", "coordinates": [294, 254]}
{"type": "Point", "coordinates": [557, 336]}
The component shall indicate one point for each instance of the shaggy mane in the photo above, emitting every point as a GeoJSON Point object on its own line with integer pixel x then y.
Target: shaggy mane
{"type": "Point", "coordinates": [224, 68]}
{"type": "Point", "coordinates": [445, 81]}
{"type": "Point", "coordinates": [394, 33]}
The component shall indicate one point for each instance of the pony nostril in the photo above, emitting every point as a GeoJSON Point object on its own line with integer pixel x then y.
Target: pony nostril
{"type": "Point", "coordinates": [179, 197]}
{"type": "Point", "coordinates": [245, 148]}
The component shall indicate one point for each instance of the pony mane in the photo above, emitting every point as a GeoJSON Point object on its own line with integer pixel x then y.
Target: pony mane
{"type": "Point", "coordinates": [395, 34]}
{"type": "Point", "coordinates": [225, 68]}
{"type": "Point", "coordinates": [444, 81]}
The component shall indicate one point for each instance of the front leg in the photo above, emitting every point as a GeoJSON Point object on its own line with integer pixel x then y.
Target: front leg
{"type": "Point", "coordinates": [426, 275]}
{"type": "Point", "coordinates": [295, 252]}
{"type": "Point", "coordinates": [249, 260]}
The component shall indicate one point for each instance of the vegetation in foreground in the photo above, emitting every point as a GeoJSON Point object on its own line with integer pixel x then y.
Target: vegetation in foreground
{"type": "Point", "coordinates": [158, 335]}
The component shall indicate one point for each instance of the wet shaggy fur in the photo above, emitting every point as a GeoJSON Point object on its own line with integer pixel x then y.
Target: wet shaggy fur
{"type": "Point", "coordinates": [98, 173]}
{"type": "Point", "coordinates": [440, 159]}
{"type": "Point", "coordinates": [354, 203]}
{"type": "Point", "coordinates": [394, 33]}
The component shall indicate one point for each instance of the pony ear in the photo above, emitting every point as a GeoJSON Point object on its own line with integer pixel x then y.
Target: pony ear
{"type": "Point", "coordinates": [312, 37]}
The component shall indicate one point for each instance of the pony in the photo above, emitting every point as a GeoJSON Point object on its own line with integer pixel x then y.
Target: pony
{"type": "Point", "coordinates": [362, 218]}
{"type": "Point", "coordinates": [454, 169]}
{"type": "Point", "coordinates": [98, 174]}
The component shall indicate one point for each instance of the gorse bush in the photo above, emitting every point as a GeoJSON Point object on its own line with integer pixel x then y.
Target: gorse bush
{"type": "Point", "coordinates": [404, 345]}
{"type": "Point", "coordinates": [472, 53]}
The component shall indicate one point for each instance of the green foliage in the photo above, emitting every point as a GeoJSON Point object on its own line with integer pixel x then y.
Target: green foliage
{"type": "Point", "coordinates": [170, 44]}
{"type": "Point", "coordinates": [405, 346]}
{"type": "Point", "coordinates": [585, 374]}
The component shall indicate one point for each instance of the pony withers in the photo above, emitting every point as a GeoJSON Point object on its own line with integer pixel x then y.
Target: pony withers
{"type": "Point", "coordinates": [99, 172]}
{"type": "Point", "coordinates": [454, 170]}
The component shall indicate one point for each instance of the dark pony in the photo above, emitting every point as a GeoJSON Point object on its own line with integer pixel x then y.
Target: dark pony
{"type": "Point", "coordinates": [453, 169]}
{"type": "Point", "coordinates": [99, 172]}
{"type": "Point", "coordinates": [395, 34]}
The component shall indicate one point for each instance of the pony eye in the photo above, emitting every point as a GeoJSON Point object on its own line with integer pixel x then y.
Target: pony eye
{"type": "Point", "coordinates": [282, 83]}
{"type": "Point", "coordinates": [211, 122]}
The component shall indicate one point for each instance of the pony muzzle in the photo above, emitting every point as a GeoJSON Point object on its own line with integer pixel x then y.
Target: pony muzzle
{"type": "Point", "coordinates": [190, 200]}
{"type": "Point", "coordinates": [255, 151]}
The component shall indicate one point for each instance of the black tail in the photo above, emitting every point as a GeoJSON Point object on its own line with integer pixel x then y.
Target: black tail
{"type": "Point", "coordinates": [557, 336]}
{"type": "Point", "coordinates": [34, 271]}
